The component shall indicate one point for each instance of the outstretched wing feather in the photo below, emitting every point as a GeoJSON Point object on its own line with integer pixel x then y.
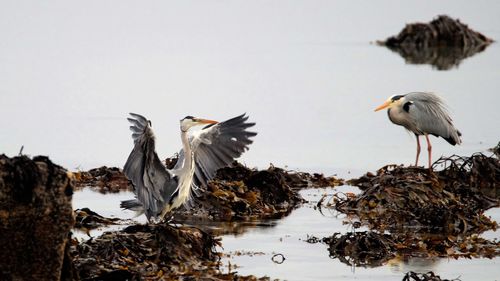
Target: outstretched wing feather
{"type": "Point", "coordinates": [217, 146]}
{"type": "Point", "coordinates": [226, 142]}
{"type": "Point", "coordinates": [153, 183]}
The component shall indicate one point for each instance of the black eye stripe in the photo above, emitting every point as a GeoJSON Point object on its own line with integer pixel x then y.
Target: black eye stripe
{"type": "Point", "coordinates": [188, 117]}
{"type": "Point", "coordinates": [397, 97]}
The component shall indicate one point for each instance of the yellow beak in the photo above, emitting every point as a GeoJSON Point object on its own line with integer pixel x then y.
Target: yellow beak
{"type": "Point", "coordinates": [382, 106]}
{"type": "Point", "coordinates": [206, 121]}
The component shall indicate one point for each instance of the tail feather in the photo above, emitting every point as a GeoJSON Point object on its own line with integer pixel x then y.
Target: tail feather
{"type": "Point", "coordinates": [132, 204]}
{"type": "Point", "coordinates": [454, 138]}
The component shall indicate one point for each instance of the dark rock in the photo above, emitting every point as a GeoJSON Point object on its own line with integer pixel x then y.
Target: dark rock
{"type": "Point", "coordinates": [443, 43]}
{"type": "Point", "coordinates": [36, 217]}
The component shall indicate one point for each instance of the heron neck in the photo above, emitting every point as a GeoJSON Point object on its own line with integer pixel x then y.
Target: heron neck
{"type": "Point", "coordinates": [188, 154]}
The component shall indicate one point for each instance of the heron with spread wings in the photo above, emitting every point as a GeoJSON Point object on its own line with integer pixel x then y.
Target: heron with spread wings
{"type": "Point", "coordinates": [423, 114]}
{"type": "Point", "coordinates": [159, 190]}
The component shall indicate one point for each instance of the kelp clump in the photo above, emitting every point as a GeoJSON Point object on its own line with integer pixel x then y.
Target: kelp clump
{"type": "Point", "coordinates": [148, 252]}
{"type": "Point", "coordinates": [240, 193]}
{"type": "Point", "coordinates": [427, 213]}
{"type": "Point", "coordinates": [368, 249]}
{"type": "Point", "coordinates": [448, 201]}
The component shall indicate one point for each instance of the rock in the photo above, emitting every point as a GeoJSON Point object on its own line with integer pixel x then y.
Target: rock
{"type": "Point", "coordinates": [443, 43]}
{"type": "Point", "coordinates": [36, 217]}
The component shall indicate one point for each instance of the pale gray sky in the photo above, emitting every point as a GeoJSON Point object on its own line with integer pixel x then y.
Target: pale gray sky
{"type": "Point", "coordinates": [303, 70]}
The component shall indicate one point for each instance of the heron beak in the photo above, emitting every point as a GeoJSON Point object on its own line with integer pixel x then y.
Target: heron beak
{"type": "Point", "coordinates": [384, 105]}
{"type": "Point", "coordinates": [206, 121]}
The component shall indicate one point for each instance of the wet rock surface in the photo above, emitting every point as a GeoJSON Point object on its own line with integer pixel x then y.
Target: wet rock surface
{"type": "Point", "coordinates": [35, 219]}
{"type": "Point", "coordinates": [444, 42]}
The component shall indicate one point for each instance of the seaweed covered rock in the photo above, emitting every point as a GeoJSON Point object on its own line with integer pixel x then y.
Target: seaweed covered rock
{"type": "Point", "coordinates": [444, 42]}
{"type": "Point", "coordinates": [427, 213]}
{"type": "Point", "coordinates": [244, 194]}
{"type": "Point", "coordinates": [103, 179]}
{"type": "Point", "coordinates": [239, 193]}
{"type": "Point", "coordinates": [147, 252]}
{"type": "Point", "coordinates": [452, 200]}
{"type": "Point", "coordinates": [35, 219]}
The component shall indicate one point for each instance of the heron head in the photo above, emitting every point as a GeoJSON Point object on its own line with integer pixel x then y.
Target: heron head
{"type": "Point", "coordinates": [391, 101]}
{"type": "Point", "coordinates": [190, 121]}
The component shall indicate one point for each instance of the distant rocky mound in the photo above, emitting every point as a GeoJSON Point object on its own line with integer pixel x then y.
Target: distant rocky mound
{"type": "Point", "coordinates": [444, 42]}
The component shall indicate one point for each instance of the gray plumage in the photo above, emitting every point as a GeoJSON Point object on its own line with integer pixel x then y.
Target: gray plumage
{"type": "Point", "coordinates": [159, 190]}
{"type": "Point", "coordinates": [153, 183]}
{"type": "Point", "coordinates": [217, 146]}
{"type": "Point", "coordinates": [424, 113]}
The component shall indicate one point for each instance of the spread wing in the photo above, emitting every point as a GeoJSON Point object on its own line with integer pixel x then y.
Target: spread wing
{"type": "Point", "coordinates": [153, 183]}
{"type": "Point", "coordinates": [217, 146]}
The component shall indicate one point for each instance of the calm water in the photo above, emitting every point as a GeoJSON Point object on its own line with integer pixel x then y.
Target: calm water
{"type": "Point", "coordinates": [304, 261]}
{"type": "Point", "coordinates": [305, 71]}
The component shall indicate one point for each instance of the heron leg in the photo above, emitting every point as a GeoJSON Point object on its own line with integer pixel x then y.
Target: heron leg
{"type": "Point", "coordinates": [429, 150]}
{"type": "Point", "coordinates": [418, 150]}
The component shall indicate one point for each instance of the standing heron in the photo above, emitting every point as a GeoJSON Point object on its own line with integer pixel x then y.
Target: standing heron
{"type": "Point", "coordinates": [159, 190]}
{"type": "Point", "coordinates": [422, 114]}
